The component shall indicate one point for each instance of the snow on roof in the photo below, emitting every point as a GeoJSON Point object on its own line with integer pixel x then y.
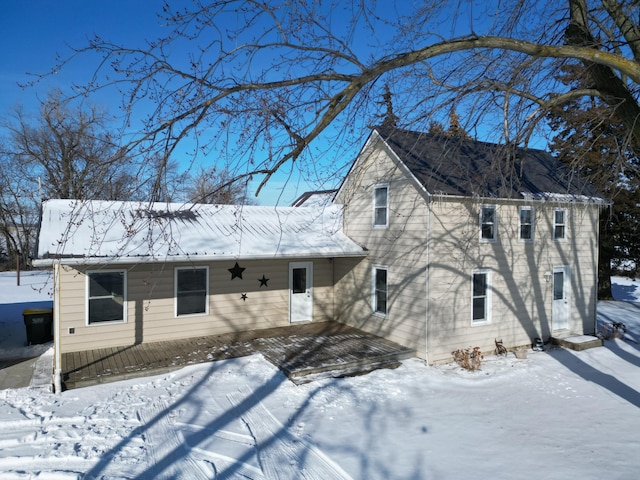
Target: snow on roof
{"type": "Point", "coordinates": [90, 232]}
{"type": "Point", "coordinates": [564, 198]}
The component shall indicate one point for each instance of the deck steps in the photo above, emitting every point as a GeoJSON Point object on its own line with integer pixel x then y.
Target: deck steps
{"type": "Point", "coordinates": [336, 356]}
{"type": "Point", "coordinates": [577, 342]}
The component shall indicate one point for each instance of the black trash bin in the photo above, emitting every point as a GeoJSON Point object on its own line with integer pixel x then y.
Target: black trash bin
{"type": "Point", "coordinates": [39, 324]}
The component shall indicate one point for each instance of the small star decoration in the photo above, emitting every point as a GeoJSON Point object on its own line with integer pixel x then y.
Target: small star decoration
{"type": "Point", "coordinates": [243, 297]}
{"type": "Point", "coordinates": [263, 281]}
{"type": "Point", "coordinates": [236, 271]}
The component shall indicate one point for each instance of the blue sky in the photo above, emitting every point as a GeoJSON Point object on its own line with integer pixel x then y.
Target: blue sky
{"type": "Point", "coordinates": [33, 32]}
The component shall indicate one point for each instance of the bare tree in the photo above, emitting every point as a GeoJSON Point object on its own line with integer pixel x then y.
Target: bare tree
{"type": "Point", "coordinates": [71, 151]}
{"type": "Point", "coordinates": [19, 214]}
{"type": "Point", "coordinates": [160, 180]}
{"type": "Point", "coordinates": [276, 83]}
{"type": "Point", "coordinates": [63, 153]}
{"type": "Point", "coordinates": [216, 187]}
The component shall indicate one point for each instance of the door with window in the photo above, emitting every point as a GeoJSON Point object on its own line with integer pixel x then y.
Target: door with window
{"type": "Point", "coordinates": [561, 297]}
{"type": "Point", "coordinates": [300, 292]}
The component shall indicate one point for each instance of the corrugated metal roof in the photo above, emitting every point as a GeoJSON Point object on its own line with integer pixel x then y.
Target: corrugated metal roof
{"type": "Point", "coordinates": [464, 167]}
{"type": "Point", "coordinates": [84, 232]}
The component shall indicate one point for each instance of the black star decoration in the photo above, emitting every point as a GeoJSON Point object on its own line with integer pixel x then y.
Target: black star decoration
{"type": "Point", "coordinates": [236, 271]}
{"type": "Point", "coordinates": [263, 281]}
{"type": "Point", "coordinates": [243, 297]}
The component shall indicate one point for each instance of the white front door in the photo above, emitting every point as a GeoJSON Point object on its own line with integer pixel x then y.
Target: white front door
{"type": "Point", "coordinates": [300, 291]}
{"type": "Point", "coordinates": [561, 297]}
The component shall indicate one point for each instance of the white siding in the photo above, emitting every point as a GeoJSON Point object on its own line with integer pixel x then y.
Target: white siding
{"type": "Point", "coordinates": [522, 298]}
{"type": "Point", "coordinates": [150, 303]}
{"type": "Point", "coordinates": [400, 247]}
{"type": "Point", "coordinates": [444, 234]}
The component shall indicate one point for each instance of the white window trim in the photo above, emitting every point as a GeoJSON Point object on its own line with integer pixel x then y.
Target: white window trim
{"type": "Point", "coordinates": [175, 291]}
{"type": "Point", "coordinates": [495, 224]}
{"type": "Point", "coordinates": [553, 232]}
{"type": "Point", "coordinates": [533, 224]}
{"type": "Point", "coordinates": [487, 320]}
{"type": "Point", "coordinates": [87, 298]}
{"type": "Point", "coordinates": [374, 296]}
{"type": "Point", "coordinates": [373, 201]}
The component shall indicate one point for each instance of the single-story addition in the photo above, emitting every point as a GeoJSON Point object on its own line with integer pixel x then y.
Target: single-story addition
{"type": "Point", "coordinates": [434, 242]}
{"type": "Point", "coordinates": [128, 272]}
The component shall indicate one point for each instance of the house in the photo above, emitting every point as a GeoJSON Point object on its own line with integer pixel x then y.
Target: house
{"type": "Point", "coordinates": [468, 242]}
{"type": "Point", "coordinates": [129, 272]}
{"type": "Point", "coordinates": [434, 242]}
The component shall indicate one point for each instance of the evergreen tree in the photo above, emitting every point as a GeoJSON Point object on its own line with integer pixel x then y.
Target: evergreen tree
{"type": "Point", "coordinates": [596, 145]}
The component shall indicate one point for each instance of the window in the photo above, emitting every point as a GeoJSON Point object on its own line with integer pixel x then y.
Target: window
{"type": "Point", "coordinates": [192, 285]}
{"type": "Point", "coordinates": [481, 296]}
{"type": "Point", "coordinates": [299, 280]}
{"type": "Point", "coordinates": [380, 290]}
{"type": "Point", "coordinates": [526, 223]}
{"type": "Point", "coordinates": [559, 224]}
{"type": "Point", "coordinates": [380, 206]}
{"type": "Point", "coordinates": [106, 299]}
{"type": "Point", "coordinates": [488, 223]}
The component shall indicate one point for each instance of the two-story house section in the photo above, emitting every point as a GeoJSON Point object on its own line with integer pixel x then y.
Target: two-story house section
{"type": "Point", "coordinates": [467, 242]}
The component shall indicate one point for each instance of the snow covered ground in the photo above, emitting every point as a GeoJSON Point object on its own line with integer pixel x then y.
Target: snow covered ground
{"type": "Point", "coordinates": [555, 415]}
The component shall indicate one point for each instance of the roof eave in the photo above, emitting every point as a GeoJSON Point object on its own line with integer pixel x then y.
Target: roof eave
{"type": "Point", "coordinates": [526, 198]}
{"type": "Point", "coordinates": [48, 262]}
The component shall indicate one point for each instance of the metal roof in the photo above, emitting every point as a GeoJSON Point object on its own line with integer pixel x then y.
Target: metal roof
{"type": "Point", "coordinates": [91, 232]}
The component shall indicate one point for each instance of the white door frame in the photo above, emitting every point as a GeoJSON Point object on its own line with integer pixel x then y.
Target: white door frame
{"type": "Point", "coordinates": [561, 307]}
{"type": "Point", "coordinates": [300, 294]}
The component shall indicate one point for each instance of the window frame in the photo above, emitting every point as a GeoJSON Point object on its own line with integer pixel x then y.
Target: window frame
{"type": "Point", "coordinates": [375, 290]}
{"type": "Point", "coordinates": [481, 223]}
{"type": "Point", "coordinates": [563, 224]}
{"type": "Point", "coordinates": [175, 291]}
{"type": "Point", "coordinates": [487, 296]}
{"type": "Point", "coordinates": [531, 224]}
{"type": "Point", "coordinates": [377, 207]}
{"type": "Point", "coordinates": [89, 298]}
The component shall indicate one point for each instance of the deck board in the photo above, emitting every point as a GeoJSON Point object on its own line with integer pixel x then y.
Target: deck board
{"type": "Point", "coordinates": [300, 351]}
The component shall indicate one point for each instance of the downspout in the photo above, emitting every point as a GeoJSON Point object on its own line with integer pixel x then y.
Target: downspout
{"type": "Point", "coordinates": [426, 273]}
{"type": "Point", "coordinates": [599, 210]}
{"type": "Point", "coordinates": [57, 369]}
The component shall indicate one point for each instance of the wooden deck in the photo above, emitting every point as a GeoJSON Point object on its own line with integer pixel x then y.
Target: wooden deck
{"type": "Point", "coordinates": [303, 352]}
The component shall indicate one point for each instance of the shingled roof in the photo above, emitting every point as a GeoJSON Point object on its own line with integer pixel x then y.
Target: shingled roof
{"type": "Point", "coordinates": [463, 167]}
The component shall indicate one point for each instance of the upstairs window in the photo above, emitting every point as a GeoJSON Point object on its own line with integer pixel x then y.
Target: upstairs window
{"type": "Point", "coordinates": [106, 296]}
{"type": "Point", "coordinates": [526, 224]}
{"type": "Point", "coordinates": [380, 290]}
{"type": "Point", "coordinates": [192, 285]}
{"type": "Point", "coordinates": [559, 224]}
{"type": "Point", "coordinates": [380, 206]}
{"type": "Point", "coordinates": [481, 296]}
{"type": "Point", "coordinates": [488, 223]}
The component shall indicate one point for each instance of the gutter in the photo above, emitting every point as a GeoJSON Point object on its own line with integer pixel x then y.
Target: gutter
{"type": "Point", "coordinates": [48, 262]}
{"type": "Point", "coordinates": [528, 198]}
{"type": "Point", "coordinates": [427, 266]}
